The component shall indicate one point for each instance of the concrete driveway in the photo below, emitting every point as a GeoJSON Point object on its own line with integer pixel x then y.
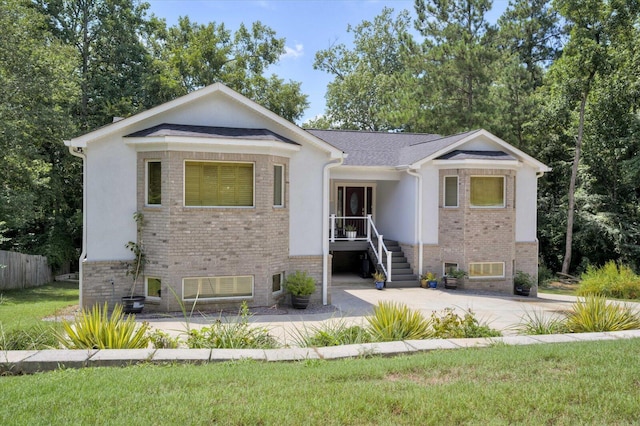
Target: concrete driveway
{"type": "Point", "coordinates": [353, 298]}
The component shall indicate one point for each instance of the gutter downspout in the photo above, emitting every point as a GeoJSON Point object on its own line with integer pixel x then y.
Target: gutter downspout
{"type": "Point", "coordinates": [78, 152]}
{"type": "Point", "coordinates": [325, 225]}
{"type": "Point", "coordinates": [418, 219]}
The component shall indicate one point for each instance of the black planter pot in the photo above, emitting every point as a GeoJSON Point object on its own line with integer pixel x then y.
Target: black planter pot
{"type": "Point", "coordinates": [300, 302]}
{"type": "Point", "coordinates": [132, 304]}
{"type": "Point", "coordinates": [522, 291]}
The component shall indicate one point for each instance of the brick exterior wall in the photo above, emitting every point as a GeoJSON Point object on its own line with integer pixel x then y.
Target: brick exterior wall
{"type": "Point", "coordinates": [189, 242]}
{"type": "Point", "coordinates": [527, 261]}
{"type": "Point", "coordinates": [468, 235]}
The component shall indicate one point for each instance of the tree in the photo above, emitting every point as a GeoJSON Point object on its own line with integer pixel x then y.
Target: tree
{"type": "Point", "coordinates": [596, 28]}
{"type": "Point", "coordinates": [112, 60]}
{"type": "Point", "coordinates": [458, 63]}
{"type": "Point", "coordinates": [369, 79]}
{"type": "Point", "coordinates": [189, 56]}
{"type": "Point", "coordinates": [39, 182]}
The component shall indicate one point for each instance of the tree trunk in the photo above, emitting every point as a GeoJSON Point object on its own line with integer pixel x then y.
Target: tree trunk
{"type": "Point", "coordinates": [572, 187]}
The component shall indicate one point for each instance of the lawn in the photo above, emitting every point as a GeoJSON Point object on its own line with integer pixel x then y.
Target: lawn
{"type": "Point", "coordinates": [26, 308]}
{"type": "Point", "coordinates": [577, 383]}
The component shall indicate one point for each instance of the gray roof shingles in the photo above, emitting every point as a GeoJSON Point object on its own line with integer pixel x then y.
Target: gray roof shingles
{"type": "Point", "coordinates": [386, 149]}
{"type": "Point", "coordinates": [166, 129]}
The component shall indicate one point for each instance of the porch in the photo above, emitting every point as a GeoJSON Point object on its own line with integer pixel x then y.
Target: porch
{"type": "Point", "coordinates": [359, 234]}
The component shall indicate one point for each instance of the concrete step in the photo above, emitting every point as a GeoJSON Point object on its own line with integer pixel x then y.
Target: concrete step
{"type": "Point", "coordinates": [404, 277]}
{"type": "Point", "coordinates": [402, 284]}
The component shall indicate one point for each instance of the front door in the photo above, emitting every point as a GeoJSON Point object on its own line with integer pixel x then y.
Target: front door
{"type": "Point", "coordinates": [358, 203]}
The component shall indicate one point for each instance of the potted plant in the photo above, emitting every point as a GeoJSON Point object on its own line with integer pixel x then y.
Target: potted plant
{"type": "Point", "coordinates": [301, 286]}
{"type": "Point", "coordinates": [379, 278]}
{"type": "Point", "coordinates": [350, 230]}
{"type": "Point", "coordinates": [133, 304]}
{"type": "Point", "coordinates": [522, 283]}
{"type": "Point", "coordinates": [426, 279]}
{"type": "Point", "coordinates": [451, 279]}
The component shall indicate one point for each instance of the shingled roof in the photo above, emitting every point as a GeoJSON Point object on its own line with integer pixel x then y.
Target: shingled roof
{"type": "Point", "coordinates": [384, 148]}
{"type": "Point", "coordinates": [183, 130]}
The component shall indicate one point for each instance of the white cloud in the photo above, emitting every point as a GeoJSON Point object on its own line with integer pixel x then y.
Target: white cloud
{"type": "Point", "coordinates": [293, 52]}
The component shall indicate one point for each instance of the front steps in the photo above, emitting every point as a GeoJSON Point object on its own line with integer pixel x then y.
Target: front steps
{"type": "Point", "coordinates": [402, 275]}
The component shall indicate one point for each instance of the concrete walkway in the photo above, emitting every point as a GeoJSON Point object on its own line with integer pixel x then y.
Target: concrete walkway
{"type": "Point", "coordinates": [354, 298]}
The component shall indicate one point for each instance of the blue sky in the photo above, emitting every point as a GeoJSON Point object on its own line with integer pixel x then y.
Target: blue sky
{"type": "Point", "coordinates": [307, 26]}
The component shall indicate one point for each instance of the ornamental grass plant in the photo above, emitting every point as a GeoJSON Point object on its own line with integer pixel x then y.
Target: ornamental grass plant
{"type": "Point", "coordinates": [595, 314]}
{"type": "Point", "coordinates": [232, 335]}
{"type": "Point", "coordinates": [96, 329]}
{"type": "Point", "coordinates": [611, 280]}
{"type": "Point", "coordinates": [394, 321]}
{"type": "Point", "coordinates": [332, 333]}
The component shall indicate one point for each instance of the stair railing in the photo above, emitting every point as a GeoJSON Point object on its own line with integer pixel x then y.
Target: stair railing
{"type": "Point", "coordinates": [372, 236]}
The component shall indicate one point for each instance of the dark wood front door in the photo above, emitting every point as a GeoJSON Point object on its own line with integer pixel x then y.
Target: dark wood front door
{"type": "Point", "coordinates": [355, 206]}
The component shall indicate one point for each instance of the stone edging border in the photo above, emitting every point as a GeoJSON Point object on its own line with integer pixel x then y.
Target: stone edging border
{"type": "Point", "coordinates": [29, 362]}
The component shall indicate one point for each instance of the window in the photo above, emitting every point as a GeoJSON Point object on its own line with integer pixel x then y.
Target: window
{"type": "Point", "coordinates": [276, 282]}
{"type": "Point", "coordinates": [486, 270]}
{"type": "Point", "coordinates": [487, 191]}
{"type": "Point", "coordinates": [154, 183]}
{"type": "Point", "coordinates": [217, 288]}
{"type": "Point", "coordinates": [153, 287]}
{"type": "Point", "coordinates": [451, 191]}
{"type": "Point", "coordinates": [218, 184]}
{"type": "Point", "coordinates": [449, 267]}
{"type": "Point", "coordinates": [278, 185]}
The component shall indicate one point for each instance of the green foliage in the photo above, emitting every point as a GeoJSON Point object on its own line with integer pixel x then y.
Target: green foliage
{"type": "Point", "coordinates": [594, 314]}
{"type": "Point", "coordinates": [332, 333]}
{"type": "Point", "coordinates": [35, 337]}
{"type": "Point", "coordinates": [379, 277]}
{"type": "Point", "coordinates": [544, 274]}
{"type": "Point", "coordinates": [162, 340]}
{"type": "Point", "coordinates": [536, 323]}
{"type": "Point", "coordinates": [611, 280]}
{"type": "Point", "coordinates": [523, 280]}
{"type": "Point", "coordinates": [236, 334]}
{"type": "Point", "coordinates": [394, 321]}
{"type": "Point", "coordinates": [136, 267]}
{"type": "Point", "coordinates": [96, 329]}
{"type": "Point", "coordinates": [449, 325]}
{"type": "Point", "coordinates": [300, 284]}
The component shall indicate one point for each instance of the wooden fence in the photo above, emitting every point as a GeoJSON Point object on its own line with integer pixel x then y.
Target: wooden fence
{"type": "Point", "coordinates": [19, 270]}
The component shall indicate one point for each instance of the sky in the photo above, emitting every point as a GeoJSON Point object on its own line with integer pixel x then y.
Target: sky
{"type": "Point", "coordinates": [307, 26]}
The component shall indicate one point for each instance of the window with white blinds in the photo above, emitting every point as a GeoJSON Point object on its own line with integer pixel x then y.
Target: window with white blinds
{"type": "Point", "coordinates": [217, 288]}
{"type": "Point", "coordinates": [218, 184]}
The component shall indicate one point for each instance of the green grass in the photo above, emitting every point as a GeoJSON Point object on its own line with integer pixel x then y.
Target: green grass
{"type": "Point", "coordinates": [577, 383]}
{"type": "Point", "coordinates": [26, 308]}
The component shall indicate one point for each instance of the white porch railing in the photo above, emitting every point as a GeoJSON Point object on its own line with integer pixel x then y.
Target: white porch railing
{"type": "Point", "coordinates": [357, 228]}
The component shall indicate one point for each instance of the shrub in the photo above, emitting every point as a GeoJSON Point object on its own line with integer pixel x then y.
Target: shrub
{"type": "Point", "coordinates": [611, 280]}
{"type": "Point", "coordinates": [449, 325]}
{"type": "Point", "coordinates": [232, 335]}
{"type": "Point", "coordinates": [300, 284]}
{"type": "Point", "coordinates": [536, 323]}
{"type": "Point", "coordinates": [523, 280]}
{"type": "Point", "coordinates": [95, 329]}
{"type": "Point", "coordinates": [544, 275]}
{"type": "Point", "coordinates": [332, 333]}
{"type": "Point", "coordinates": [162, 340]}
{"type": "Point", "coordinates": [593, 313]}
{"type": "Point", "coordinates": [36, 337]}
{"type": "Point", "coordinates": [394, 321]}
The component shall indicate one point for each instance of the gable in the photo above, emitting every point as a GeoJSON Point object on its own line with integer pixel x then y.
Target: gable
{"type": "Point", "coordinates": [214, 106]}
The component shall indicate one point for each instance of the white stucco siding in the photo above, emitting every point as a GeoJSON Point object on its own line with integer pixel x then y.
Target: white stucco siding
{"type": "Point", "coordinates": [305, 201]}
{"type": "Point", "coordinates": [395, 209]}
{"type": "Point", "coordinates": [111, 199]}
{"type": "Point", "coordinates": [430, 202]}
{"type": "Point", "coordinates": [480, 144]}
{"type": "Point", "coordinates": [526, 204]}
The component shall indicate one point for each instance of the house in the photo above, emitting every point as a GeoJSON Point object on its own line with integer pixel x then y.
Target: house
{"type": "Point", "coordinates": [234, 198]}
